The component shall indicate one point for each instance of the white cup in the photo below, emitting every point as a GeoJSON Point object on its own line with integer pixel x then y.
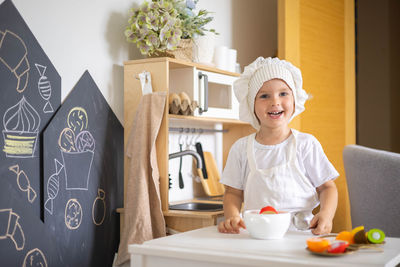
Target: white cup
{"type": "Point", "coordinates": [232, 54]}
{"type": "Point", "coordinates": [221, 57]}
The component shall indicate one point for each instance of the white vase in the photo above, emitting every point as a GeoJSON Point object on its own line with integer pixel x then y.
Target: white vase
{"type": "Point", "coordinates": [203, 49]}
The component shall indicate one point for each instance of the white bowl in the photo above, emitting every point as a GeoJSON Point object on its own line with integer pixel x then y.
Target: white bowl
{"type": "Point", "coordinates": [266, 226]}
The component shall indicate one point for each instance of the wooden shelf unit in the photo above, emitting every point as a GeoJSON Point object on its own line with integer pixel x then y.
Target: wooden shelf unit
{"type": "Point", "coordinates": [159, 70]}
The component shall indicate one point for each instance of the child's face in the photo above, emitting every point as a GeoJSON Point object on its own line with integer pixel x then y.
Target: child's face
{"type": "Point", "coordinates": [274, 104]}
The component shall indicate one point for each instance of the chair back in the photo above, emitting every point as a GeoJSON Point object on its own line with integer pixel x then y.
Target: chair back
{"type": "Point", "coordinates": [373, 181]}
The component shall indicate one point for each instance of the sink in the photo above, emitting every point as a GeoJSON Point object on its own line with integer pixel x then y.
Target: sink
{"type": "Point", "coordinates": [193, 206]}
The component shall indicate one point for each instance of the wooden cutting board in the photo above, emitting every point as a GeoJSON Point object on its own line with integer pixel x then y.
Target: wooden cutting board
{"type": "Point", "coordinates": [211, 185]}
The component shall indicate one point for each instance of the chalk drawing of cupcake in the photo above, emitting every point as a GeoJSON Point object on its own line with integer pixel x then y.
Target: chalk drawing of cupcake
{"type": "Point", "coordinates": [77, 149]}
{"type": "Point", "coordinates": [21, 128]}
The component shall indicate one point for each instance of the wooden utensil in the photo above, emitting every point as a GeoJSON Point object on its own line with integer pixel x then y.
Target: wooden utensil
{"type": "Point", "coordinates": [212, 186]}
{"type": "Point", "coordinates": [213, 173]}
{"type": "Point", "coordinates": [204, 183]}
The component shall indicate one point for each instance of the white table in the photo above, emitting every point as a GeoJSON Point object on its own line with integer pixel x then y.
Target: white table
{"type": "Point", "coordinates": [208, 247]}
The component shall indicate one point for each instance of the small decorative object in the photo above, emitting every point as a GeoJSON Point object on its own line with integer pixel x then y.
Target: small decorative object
{"type": "Point", "coordinates": [187, 106]}
{"type": "Point", "coordinates": [167, 27]}
{"type": "Point", "coordinates": [174, 103]}
{"type": "Point", "coordinates": [221, 57]}
{"type": "Point", "coordinates": [203, 49]}
{"type": "Point", "coordinates": [185, 101]}
{"type": "Point", "coordinates": [193, 26]}
{"type": "Point", "coordinates": [181, 104]}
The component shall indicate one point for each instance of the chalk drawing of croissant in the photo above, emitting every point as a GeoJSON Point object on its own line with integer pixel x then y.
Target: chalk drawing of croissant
{"type": "Point", "coordinates": [10, 228]}
{"type": "Point", "coordinates": [13, 54]}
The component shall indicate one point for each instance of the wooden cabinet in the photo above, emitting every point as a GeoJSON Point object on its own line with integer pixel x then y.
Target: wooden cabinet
{"type": "Point", "coordinates": [164, 72]}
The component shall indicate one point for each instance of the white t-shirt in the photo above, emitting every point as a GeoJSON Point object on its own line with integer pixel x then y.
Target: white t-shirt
{"type": "Point", "coordinates": [311, 158]}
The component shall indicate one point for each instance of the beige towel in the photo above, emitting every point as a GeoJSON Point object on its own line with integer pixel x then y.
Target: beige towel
{"type": "Point", "coordinates": [143, 218]}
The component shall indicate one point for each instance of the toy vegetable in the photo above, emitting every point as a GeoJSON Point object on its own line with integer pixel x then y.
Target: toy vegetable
{"type": "Point", "coordinates": [338, 247]}
{"type": "Point", "coordinates": [317, 244]}
{"type": "Point", "coordinates": [346, 236]}
{"type": "Point", "coordinates": [268, 210]}
{"type": "Point", "coordinates": [376, 236]}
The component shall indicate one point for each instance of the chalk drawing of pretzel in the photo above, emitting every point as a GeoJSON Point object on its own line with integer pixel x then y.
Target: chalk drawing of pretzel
{"type": "Point", "coordinates": [13, 54]}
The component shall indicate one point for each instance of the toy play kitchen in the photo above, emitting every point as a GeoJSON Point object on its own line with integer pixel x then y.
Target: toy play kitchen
{"type": "Point", "coordinates": [217, 111]}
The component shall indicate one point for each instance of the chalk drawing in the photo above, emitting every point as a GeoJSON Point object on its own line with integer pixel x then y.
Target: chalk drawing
{"type": "Point", "coordinates": [23, 182]}
{"type": "Point", "coordinates": [77, 119]}
{"type": "Point", "coordinates": [10, 228]}
{"type": "Point", "coordinates": [35, 258]}
{"type": "Point", "coordinates": [77, 147]}
{"type": "Point", "coordinates": [13, 54]}
{"type": "Point", "coordinates": [66, 141]}
{"type": "Point", "coordinates": [21, 127]}
{"type": "Point", "coordinates": [73, 214]}
{"type": "Point", "coordinates": [44, 87]}
{"type": "Point", "coordinates": [53, 185]}
{"type": "Point", "coordinates": [99, 207]}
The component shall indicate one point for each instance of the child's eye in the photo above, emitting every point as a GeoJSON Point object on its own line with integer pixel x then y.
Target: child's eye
{"type": "Point", "coordinates": [264, 96]}
{"type": "Point", "coordinates": [284, 94]}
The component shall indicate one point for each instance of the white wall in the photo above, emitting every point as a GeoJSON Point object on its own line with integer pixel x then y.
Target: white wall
{"type": "Point", "coordinates": [80, 35]}
{"type": "Point", "coordinates": [249, 26]}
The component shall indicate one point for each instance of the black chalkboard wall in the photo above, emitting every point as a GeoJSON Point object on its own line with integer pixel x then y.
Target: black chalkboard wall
{"type": "Point", "coordinates": [30, 93]}
{"type": "Point", "coordinates": [83, 170]}
{"type": "Point", "coordinates": [61, 168]}
{"type": "Point", "coordinates": [25, 240]}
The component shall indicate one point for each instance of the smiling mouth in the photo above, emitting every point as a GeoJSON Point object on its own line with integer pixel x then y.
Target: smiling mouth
{"type": "Point", "coordinates": [275, 113]}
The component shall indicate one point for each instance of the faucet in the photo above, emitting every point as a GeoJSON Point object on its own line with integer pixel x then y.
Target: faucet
{"type": "Point", "coordinates": [199, 164]}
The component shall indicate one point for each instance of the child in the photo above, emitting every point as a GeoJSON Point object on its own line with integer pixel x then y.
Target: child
{"type": "Point", "coordinates": [277, 166]}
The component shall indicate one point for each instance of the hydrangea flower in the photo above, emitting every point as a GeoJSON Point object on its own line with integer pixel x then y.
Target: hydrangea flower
{"type": "Point", "coordinates": [159, 25]}
{"type": "Point", "coordinates": [154, 27]}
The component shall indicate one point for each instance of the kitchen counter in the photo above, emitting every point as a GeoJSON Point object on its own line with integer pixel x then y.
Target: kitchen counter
{"type": "Point", "coordinates": [186, 220]}
{"type": "Point", "coordinates": [208, 247]}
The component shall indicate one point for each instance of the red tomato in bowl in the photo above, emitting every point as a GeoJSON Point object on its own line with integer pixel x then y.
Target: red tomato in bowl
{"type": "Point", "coordinates": [268, 210]}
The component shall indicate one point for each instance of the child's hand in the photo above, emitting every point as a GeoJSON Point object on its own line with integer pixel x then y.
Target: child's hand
{"type": "Point", "coordinates": [321, 224]}
{"type": "Point", "coordinates": [231, 225]}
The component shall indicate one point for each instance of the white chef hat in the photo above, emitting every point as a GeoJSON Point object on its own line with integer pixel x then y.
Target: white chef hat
{"type": "Point", "coordinates": [263, 70]}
